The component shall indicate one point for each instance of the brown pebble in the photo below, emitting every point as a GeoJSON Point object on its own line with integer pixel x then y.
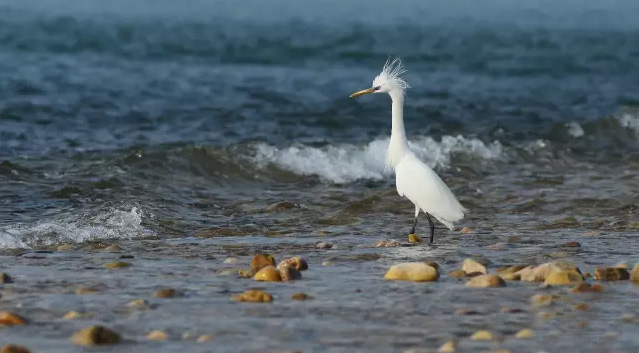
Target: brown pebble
{"type": "Point", "coordinates": [587, 288]}
{"type": "Point", "coordinates": [5, 278]}
{"type": "Point", "coordinates": [634, 274]}
{"type": "Point", "coordinates": [563, 277]}
{"type": "Point", "coordinates": [482, 335]}
{"type": "Point", "coordinates": [541, 299]}
{"type": "Point", "coordinates": [288, 273]}
{"type": "Point", "coordinates": [571, 244]}
{"type": "Point", "coordinates": [412, 271]}
{"type": "Point", "coordinates": [95, 336]}
{"type": "Point", "coordinates": [611, 274]}
{"type": "Point", "coordinates": [581, 306]}
{"type": "Point", "coordinates": [301, 296]}
{"type": "Point", "coordinates": [86, 290]}
{"type": "Point", "coordinates": [466, 230]}
{"type": "Point", "coordinates": [414, 238]}
{"type": "Point", "coordinates": [513, 239]}
{"type": "Point", "coordinates": [117, 264]}
{"type": "Point", "coordinates": [14, 348]}
{"type": "Point", "coordinates": [483, 281]}
{"type": "Point", "coordinates": [166, 293]}
{"type": "Point", "coordinates": [448, 347]}
{"type": "Point", "coordinates": [260, 261]}
{"type": "Point", "coordinates": [204, 338]}
{"type": "Point", "coordinates": [8, 318]}
{"type": "Point", "coordinates": [582, 324]}
{"type": "Point", "coordinates": [157, 335]}
{"type": "Point", "coordinates": [246, 273]}
{"type": "Point", "coordinates": [472, 266]}
{"type": "Point", "coordinates": [268, 274]}
{"type": "Point", "coordinates": [525, 333]}
{"type": "Point", "coordinates": [296, 262]}
{"type": "Point", "coordinates": [255, 296]}
{"type": "Point", "coordinates": [457, 274]}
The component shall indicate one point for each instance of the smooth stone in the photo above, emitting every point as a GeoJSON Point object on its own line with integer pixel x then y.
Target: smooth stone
{"type": "Point", "coordinates": [323, 245]}
{"type": "Point", "coordinates": [466, 230]}
{"type": "Point", "coordinates": [117, 264]}
{"type": "Point", "coordinates": [482, 335]}
{"type": "Point", "coordinates": [414, 238]}
{"type": "Point", "coordinates": [511, 276]}
{"type": "Point", "coordinates": [137, 303]}
{"type": "Point", "coordinates": [72, 315]}
{"type": "Point", "coordinates": [457, 274]}
{"type": "Point", "coordinates": [611, 274]}
{"type": "Point", "coordinates": [485, 281]}
{"type": "Point", "coordinates": [571, 244]}
{"type": "Point", "coordinates": [634, 274]}
{"type": "Point", "coordinates": [268, 274]}
{"type": "Point", "coordinates": [167, 293]}
{"type": "Point", "coordinates": [525, 333]}
{"type": "Point", "coordinates": [260, 261]}
{"type": "Point", "coordinates": [86, 290]}
{"type": "Point", "coordinates": [448, 347]}
{"type": "Point", "coordinates": [471, 266]}
{"type": "Point", "coordinates": [541, 299]}
{"type": "Point", "coordinates": [539, 273]}
{"type": "Point", "coordinates": [587, 288]}
{"type": "Point", "coordinates": [157, 335]}
{"type": "Point", "coordinates": [204, 338]}
{"type": "Point", "coordinates": [581, 307]}
{"type": "Point", "coordinates": [288, 272]}
{"type": "Point", "coordinates": [5, 278]}
{"type": "Point", "coordinates": [254, 296]}
{"type": "Point", "coordinates": [301, 296]}
{"type": "Point", "coordinates": [563, 277]}
{"type": "Point", "coordinates": [14, 348]}
{"type": "Point", "coordinates": [296, 262]}
{"type": "Point", "coordinates": [8, 318]}
{"type": "Point", "coordinates": [412, 271]}
{"type": "Point", "coordinates": [95, 336]}
{"type": "Point", "coordinates": [513, 239]}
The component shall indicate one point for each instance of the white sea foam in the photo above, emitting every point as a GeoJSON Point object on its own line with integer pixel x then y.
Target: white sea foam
{"type": "Point", "coordinates": [574, 129]}
{"type": "Point", "coordinates": [75, 229]}
{"type": "Point", "coordinates": [630, 121]}
{"type": "Point", "coordinates": [348, 162]}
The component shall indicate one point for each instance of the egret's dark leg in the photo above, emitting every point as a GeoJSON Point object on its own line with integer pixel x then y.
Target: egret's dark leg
{"type": "Point", "coordinates": [412, 230]}
{"type": "Point", "coordinates": [432, 227]}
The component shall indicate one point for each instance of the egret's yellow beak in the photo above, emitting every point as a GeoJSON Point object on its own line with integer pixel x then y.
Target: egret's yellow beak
{"type": "Point", "coordinates": [362, 92]}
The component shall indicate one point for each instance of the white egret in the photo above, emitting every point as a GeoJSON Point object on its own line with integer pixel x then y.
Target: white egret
{"type": "Point", "coordinates": [414, 179]}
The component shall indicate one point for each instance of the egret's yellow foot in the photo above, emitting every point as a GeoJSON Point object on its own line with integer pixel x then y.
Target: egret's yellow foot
{"type": "Point", "coordinates": [414, 238]}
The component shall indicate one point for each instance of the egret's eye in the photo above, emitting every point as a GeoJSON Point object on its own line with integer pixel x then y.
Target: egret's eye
{"type": "Point", "coordinates": [376, 88]}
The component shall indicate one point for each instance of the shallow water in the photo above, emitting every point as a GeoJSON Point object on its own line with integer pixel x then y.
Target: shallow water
{"type": "Point", "coordinates": [143, 124]}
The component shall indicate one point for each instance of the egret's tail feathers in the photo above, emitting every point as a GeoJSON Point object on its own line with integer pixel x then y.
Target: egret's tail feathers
{"type": "Point", "coordinates": [448, 224]}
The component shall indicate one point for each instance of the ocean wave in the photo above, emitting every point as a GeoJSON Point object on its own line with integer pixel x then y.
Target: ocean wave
{"type": "Point", "coordinates": [349, 162]}
{"type": "Point", "coordinates": [629, 121]}
{"type": "Point", "coordinates": [113, 224]}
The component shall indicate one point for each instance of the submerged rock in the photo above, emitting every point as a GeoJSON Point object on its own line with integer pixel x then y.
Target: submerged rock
{"type": "Point", "coordinates": [254, 296]}
{"type": "Point", "coordinates": [14, 348]}
{"type": "Point", "coordinates": [280, 206]}
{"type": "Point", "coordinates": [412, 271]}
{"type": "Point", "coordinates": [472, 266]}
{"type": "Point", "coordinates": [296, 262]}
{"type": "Point", "coordinates": [95, 336]}
{"type": "Point", "coordinates": [86, 290]}
{"type": "Point", "coordinates": [482, 335]}
{"type": "Point", "coordinates": [268, 274]}
{"type": "Point", "coordinates": [113, 248]}
{"type": "Point", "coordinates": [541, 299]}
{"type": "Point", "coordinates": [484, 281]}
{"type": "Point", "coordinates": [72, 315]}
{"type": "Point", "coordinates": [301, 296]}
{"type": "Point", "coordinates": [231, 260]}
{"type": "Point", "coordinates": [5, 278]}
{"type": "Point", "coordinates": [448, 347]}
{"type": "Point", "coordinates": [204, 338]}
{"type": "Point", "coordinates": [571, 244]}
{"type": "Point", "coordinates": [541, 272]}
{"type": "Point", "coordinates": [611, 274]}
{"type": "Point", "coordinates": [559, 277]}
{"type": "Point", "coordinates": [117, 264]}
{"type": "Point", "coordinates": [64, 247]}
{"type": "Point", "coordinates": [634, 274]}
{"type": "Point", "coordinates": [260, 261]}
{"type": "Point", "coordinates": [387, 243]}
{"type": "Point", "coordinates": [581, 306]}
{"type": "Point", "coordinates": [8, 318]}
{"type": "Point", "coordinates": [323, 245]}
{"type": "Point", "coordinates": [457, 274]}
{"type": "Point", "coordinates": [525, 333]}
{"type": "Point", "coordinates": [466, 230]}
{"type": "Point", "coordinates": [288, 272]}
{"type": "Point", "coordinates": [587, 288]}
{"type": "Point", "coordinates": [157, 335]}
{"type": "Point", "coordinates": [167, 293]}
{"type": "Point", "coordinates": [137, 304]}
{"type": "Point", "coordinates": [414, 238]}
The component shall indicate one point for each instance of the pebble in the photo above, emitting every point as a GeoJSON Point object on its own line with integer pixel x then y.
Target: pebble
{"type": "Point", "coordinates": [563, 277]}
{"type": "Point", "coordinates": [414, 238]}
{"type": "Point", "coordinates": [157, 335]}
{"type": "Point", "coordinates": [86, 290]}
{"type": "Point", "coordinates": [166, 293]}
{"type": "Point", "coordinates": [72, 315]}
{"type": "Point", "coordinates": [287, 272]}
{"type": "Point", "coordinates": [64, 247]}
{"type": "Point", "coordinates": [611, 274]}
{"type": "Point", "coordinates": [466, 230]}
{"type": "Point", "coordinates": [587, 288]}
{"type": "Point", "coordinates": [231, 260]}
{"type": "Point", "coordinates": [412, 271]}
{"type": "Point", "coordinates": [8, 318]}
{"type": "Point", "coordinates": [5, 278]}
{"type": "Point", "coordinates": [268, 274]}
{"type": "Point", "coordinates": [296, 262]}
{"type": "Point", "coordinates": [255, 296]}
{"type": "Point", "coordinates": [472, 266]}
{"type": "Point", "coordinates": [260, 261]}
{"type": "Point", "coordinates": [539, 273]}
{"type": "Point", "coordinates": [581, 306]}
{"type": "Point", "coordinates": [95, 335]}
{"type": "Point", "coordinates": [482, 335]}
{"type": "Point", "coordinates": [323, 245]}
{"type": "Point", "coordinates": [484, 281]}
{"type": "Point", "coordinates": [525, 333]}
{"type": "Point", "coordinates": [571, 244]}
{"type": "Point", "coordinates": [634, 274]}
{"type": "Point", "coordinates": [137, 303]}
{"type": "Point", "coordinates": [301, 296]}
{"type": "Point", "coordinates": [513, 239]}
{"type": "Point", "coordinates": [541, 299]}
{"type": "Point", "coordinates": [204, 338]}
{"type": "Point", "coordinates": [448, 347]}
{"type": "Point", "coordinates": [546, 314]}
{"type": "Point", "coordinates": [457, 274]}
{"type": "Point", "coordinates": [387, 244]}
{"type": "Point", "coordinates": [14, 348]}
{"type": "Point", "coordinates": [117, 264]}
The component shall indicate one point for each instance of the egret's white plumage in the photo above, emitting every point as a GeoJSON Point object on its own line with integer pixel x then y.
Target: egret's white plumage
{"type": "Point", "coordinates": [414, 179]}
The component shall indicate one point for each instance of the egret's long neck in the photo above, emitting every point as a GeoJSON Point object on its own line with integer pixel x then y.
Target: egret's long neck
{"type": "Point", "coordinates": [398, 146]}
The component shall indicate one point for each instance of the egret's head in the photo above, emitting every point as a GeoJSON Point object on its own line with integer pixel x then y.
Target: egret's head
{"type": "Point", "coordinates": [388, 81]}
